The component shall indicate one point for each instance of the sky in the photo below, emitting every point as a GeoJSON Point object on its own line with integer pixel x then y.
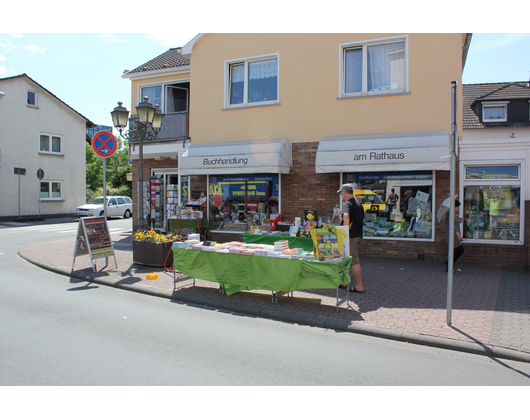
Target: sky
{"type": "Point", "coordinates": [84, 69]}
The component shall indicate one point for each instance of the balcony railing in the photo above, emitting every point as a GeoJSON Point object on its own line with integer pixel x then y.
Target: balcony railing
{"type": "Point", "coordinates": [174, 127]}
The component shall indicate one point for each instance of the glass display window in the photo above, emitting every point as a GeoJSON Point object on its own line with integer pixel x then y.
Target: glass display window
{"type": "Point", "coordinates": [396, 204]}
{"type": "Point", "coordinates": [238, 201]}
{"type": "Point", "coordinates": [492, 203]}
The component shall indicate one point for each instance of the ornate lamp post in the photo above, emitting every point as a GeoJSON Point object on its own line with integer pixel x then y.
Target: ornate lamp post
{"type": "Point", "coordinates": [149, 116]}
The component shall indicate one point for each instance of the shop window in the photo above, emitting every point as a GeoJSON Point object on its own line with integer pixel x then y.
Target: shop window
{"type": "Point", "coordinates": [492, 204]}
{"type": "Point", "coordinates": [396, 205]}
{"type": "Point", "coordinates": [238, 201]}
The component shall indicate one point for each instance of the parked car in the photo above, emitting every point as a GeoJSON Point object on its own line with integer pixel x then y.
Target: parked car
{"type": "Point", "coordinates": [117, 206]}
{"type": "Point", "coordinates": [370, 200]}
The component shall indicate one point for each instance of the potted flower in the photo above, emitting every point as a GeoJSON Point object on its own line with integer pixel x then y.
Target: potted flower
{"type": "Point", "coordinates": [153, 248]}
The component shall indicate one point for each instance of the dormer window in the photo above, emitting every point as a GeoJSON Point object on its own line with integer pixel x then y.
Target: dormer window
{"type": "Point", "coordinates": [495, 111]}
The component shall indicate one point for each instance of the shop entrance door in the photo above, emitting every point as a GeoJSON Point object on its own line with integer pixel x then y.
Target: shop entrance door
{"type": "Point", "coordinates": [169, 194]}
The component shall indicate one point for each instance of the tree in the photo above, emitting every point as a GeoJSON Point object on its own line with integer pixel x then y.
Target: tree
{"type": "Point", "coordinates": [117, 169]}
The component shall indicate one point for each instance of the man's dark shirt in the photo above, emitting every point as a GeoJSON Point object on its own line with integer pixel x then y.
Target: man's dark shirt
{"type": "Point", "coordinates": [356, 212]}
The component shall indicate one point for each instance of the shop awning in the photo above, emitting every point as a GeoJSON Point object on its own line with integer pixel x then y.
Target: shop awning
{"type": "Point", "coordinates": [238, 157]}
{"type": "Point", "coordinates": [418, 151]}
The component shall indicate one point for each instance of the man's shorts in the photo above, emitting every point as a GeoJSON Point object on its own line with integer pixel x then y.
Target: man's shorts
{"type": "Point", "coordinates": [354, 250]}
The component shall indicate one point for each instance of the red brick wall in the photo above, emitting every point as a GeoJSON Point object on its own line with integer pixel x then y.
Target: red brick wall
{"type": "Point", "coordinates": [306, 190]}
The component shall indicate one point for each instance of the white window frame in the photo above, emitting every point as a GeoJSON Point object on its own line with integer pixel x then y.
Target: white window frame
{"type": "Point", "coordinates": [50, 152]}
{"type": "Point", "coordinates": [496, 104]}
{"type": "Point", "coordinates": [521, 182]}
{"type": "Point", "coordinates": [50, 188]}
{"type": "Point", "coordinates": [164, 85]}
{"type": "Point", "coordinates": [34, 105]}
{"type": "Point", "coordinates": [245, 62]}
{"type": "Point", "coordinates": [364, 46]}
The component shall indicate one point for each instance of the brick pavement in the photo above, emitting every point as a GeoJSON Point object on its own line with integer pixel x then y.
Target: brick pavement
{"type": "Point", "coordinates": [404, 299]}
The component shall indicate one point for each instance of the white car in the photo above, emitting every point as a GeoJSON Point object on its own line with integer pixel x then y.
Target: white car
{"type": "Point", "coordinates": [117, 206]}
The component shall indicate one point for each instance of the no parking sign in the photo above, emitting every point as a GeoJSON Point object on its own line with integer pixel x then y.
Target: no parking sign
{"type": "Point", "coordinates": [104, 144]}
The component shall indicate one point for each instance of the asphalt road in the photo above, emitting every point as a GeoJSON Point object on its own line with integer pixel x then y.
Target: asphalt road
{"type": "Point", "coordinates": [59, 331]}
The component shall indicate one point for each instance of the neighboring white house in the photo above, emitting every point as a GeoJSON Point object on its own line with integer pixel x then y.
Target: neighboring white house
{"type": "Point", "coordinates": [38, 131]}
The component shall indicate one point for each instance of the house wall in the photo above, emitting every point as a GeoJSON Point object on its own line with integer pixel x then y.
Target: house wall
{"type": "Point", "coordinates": [309, 86]}
{"type": "Point", "coordinates": [21, 126]}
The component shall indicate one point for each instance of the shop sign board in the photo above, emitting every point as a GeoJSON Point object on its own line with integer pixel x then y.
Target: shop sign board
{"type": "Point", "coordinates": [93, 239]}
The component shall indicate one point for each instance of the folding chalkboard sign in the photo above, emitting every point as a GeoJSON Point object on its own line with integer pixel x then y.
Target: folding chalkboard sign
{"type": "Point", "coordinates": [93, 239]}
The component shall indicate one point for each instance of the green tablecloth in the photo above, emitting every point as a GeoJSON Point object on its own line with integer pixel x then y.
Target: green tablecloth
{"type": "Point", "coordinates": [187, 226]}
{"type": "Point", "coordinates": [250, 272]}
{"type": "Point", "coordinates": [294, 242]}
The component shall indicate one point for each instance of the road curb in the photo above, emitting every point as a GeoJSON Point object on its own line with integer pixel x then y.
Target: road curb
{"type": "Point", "coordinates": [346, 326]}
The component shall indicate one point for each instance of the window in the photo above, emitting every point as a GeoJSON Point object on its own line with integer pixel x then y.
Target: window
{"type": "Point", "coordinates": [50, 144]}
{"type": "Point", "coordinates": [50, 190]}
{"type": "Point", "coordinates": [252, 82]}
{"type": "Point", "coordinates": [176, 99]}
{"type": "Point", "coordinates": [373, 67]}
{"type": "Point", "coordinates": [396, 204]}
{"type": "Point", "coordinates": [153, 93]}
{"type": "Point", "coordinates": [171, 98]}
{"type": "Point", "coordinates": [492, 204]}
{"type": "Point", "coordinates": [238, 201]}
{"type": "Point", "coordinates": [32, 98]}
{"type": "Point", "coordinates": [120, 200]}
{"type": "Point", "coordinates": [494, 112]}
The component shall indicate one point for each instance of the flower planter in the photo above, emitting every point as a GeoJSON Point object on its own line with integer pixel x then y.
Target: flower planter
{"type": "Point", "coordinates": [152, 254]}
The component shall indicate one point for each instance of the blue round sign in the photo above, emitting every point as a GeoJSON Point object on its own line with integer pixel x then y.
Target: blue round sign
{"type": "Point", "coordinates": [104, 144]}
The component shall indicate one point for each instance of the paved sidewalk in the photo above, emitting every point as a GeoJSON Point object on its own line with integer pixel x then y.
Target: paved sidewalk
{"type": "Point", "coordinates": [404, 300]}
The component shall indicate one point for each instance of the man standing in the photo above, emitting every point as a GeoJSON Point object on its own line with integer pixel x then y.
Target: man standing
{"type": "Point", "coordinates": [392, 199]}
{"type": "Point", "coordinates": [353, 215]}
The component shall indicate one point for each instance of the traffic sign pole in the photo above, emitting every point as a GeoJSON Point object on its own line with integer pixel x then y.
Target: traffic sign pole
{"type": "Point", "coordinates": [104, 144]}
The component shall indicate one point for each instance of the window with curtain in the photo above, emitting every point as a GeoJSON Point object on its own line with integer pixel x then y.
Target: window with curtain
{"type": "Point", "coordinates": [373, 68]}
{"type": "Point", "coordinates": [254, 81]}
{"type": "Point", "coordinates": [495, 113]}
{"type": "Point", "coordinates": [154, 93]}
{"type": "Point", "coordinates": [50, 144]}
{"type": "Point", "coordinates": [50, 190]}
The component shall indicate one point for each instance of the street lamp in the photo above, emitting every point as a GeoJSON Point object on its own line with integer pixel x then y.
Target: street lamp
{"type": "Point", "coordinates": [149, 116]}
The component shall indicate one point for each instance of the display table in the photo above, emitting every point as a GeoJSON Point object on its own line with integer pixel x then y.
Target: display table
{"type": "Point", "coordinates": [235, 272]}
{"type": "Point", "coordinates": [294, 242]}
{"type": "Point", "coordinates": [187, 226]}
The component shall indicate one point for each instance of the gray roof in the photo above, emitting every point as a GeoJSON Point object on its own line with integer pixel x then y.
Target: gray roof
{"type": "Point", "coordinates": [169, 59]}
{"type": "Point", "coordinates": [492, 92]}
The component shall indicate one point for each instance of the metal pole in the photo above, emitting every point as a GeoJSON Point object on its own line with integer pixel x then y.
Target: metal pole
{"type": "Point", "coordinates": [19, 193]}
{"type": "Point", "coordinates": [105, 197]}
{"type": "Point", "coordinates": [451, 251]}
{"type": "Point", "coordinates": [141, 176]}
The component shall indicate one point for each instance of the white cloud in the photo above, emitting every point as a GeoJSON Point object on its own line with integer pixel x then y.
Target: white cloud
{"type": "Point", "coordinates": [172, 39]}
{"type": "Point", "coordinates": [111, 38]}
{"type": "Point", "coordinates": [2, 70]}
{"type": "Point", "coordinates": [17, 35]}
{"type": "Point", "coordinates": [33, 49]}
{"type": "Point", "coordinates": [2, 58]}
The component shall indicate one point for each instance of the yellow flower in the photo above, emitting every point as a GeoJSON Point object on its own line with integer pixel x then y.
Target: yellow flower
{"type": "Point", "coordinates": [153, 236]}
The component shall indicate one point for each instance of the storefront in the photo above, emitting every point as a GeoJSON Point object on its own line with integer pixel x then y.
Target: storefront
{"type": "Point", "coordinates": [492, 197]}
{"type": "Point", "coordinates": [243, 180]}
{"type": "Point", "coordinates": [404, 164]}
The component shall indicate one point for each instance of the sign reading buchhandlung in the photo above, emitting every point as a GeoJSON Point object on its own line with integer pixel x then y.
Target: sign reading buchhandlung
{"type": "Point", "coordinates": [93, 238]}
